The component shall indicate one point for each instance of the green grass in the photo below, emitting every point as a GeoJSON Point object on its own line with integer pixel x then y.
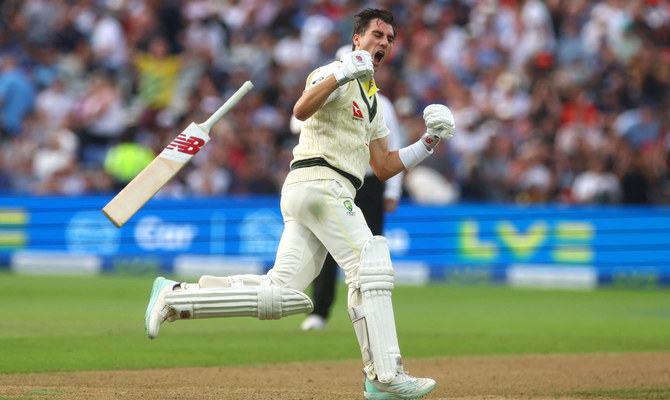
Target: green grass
{"type": "Point", "coordinates": [97, 323]}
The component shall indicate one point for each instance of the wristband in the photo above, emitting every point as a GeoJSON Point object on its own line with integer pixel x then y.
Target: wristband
{"type": "Point", "coordinates": [413, 154]}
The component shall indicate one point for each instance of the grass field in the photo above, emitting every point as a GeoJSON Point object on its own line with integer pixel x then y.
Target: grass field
{"type": "Point", "coordinates": [96, 323]}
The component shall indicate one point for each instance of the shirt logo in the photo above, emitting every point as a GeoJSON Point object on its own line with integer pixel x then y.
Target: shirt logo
{"type": "Point", "coordinates": [357, 111]}
{"type": "Point", "coordinates": [349, 207]}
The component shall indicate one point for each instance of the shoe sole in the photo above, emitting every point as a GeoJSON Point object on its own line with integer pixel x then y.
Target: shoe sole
{"type": "Point", "coordinates": [395, 396]}
{"type": "Point", "coordinates": [159, 284]}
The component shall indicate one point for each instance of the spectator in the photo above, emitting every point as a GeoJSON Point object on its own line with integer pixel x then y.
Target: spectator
{"type": "Point", "coordinates": [108, 42]}
{"type": "Point", "coordinates": [56, 155]}
{"type": "Point", "coordinates": [99, 116]}
{"type": "Point", "coordinates": [157, 73]}
{"type": "Point", "coordinates": [54, 104]}
{"type": "Point", "coordinates": [639, 127]}
{"type": "Point", "coordinates": [597, 184]}
{"type": "Point", "coordinates": [40, 18]}
{"type": "Point", "coordinates": [209, 179]}
{"type": "Point", "coordinates": [580, 77]}
{"type": "Point", "coordinates": [634, 182]}
{"type": "Point", "coordinates": [17, 97]}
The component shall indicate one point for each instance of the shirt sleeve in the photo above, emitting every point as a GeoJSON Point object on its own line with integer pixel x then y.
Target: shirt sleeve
{"type": "Point", "coordinates": [320, 74]}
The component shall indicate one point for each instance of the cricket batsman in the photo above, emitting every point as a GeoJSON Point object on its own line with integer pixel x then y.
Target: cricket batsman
{"type": "Point", "coordinates": [343, 130]}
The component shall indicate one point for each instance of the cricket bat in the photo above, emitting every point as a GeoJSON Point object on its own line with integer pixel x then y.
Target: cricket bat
{"type": "Point", "coordinates": [155, 175]}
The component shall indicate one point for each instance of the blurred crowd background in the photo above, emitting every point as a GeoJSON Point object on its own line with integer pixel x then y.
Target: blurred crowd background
{"type": "Point", "coordinates": [555, 101]}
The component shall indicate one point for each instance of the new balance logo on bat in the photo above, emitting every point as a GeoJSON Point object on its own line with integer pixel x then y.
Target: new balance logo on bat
{"type": "Point", "coordinates": [190, 145]}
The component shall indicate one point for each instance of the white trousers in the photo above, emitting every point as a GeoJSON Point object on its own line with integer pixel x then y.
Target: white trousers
{"type": "Point", "coordinates": [320, 217]}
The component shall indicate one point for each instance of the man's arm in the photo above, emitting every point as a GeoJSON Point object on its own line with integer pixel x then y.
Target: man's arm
{"type": "Point", "coordinates": [440, 125]}
{"type": "Point", "coordinates": [314, 98]}
{"type": "Point", "coordinates": [384, 163]}
{"type": "Point", "coordinates": [355, 65]}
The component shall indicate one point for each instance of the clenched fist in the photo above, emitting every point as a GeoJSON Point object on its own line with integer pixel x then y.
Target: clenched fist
{"type": "Point", "coordinates": [355, 65]}
{"type": "Point", "coordinates": [439, 124]}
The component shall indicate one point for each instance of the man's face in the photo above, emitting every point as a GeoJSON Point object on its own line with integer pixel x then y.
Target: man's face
{"type": "Point", "coordinates": [377, 40]}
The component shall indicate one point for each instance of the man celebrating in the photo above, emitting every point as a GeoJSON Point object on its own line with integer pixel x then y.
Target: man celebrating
{"type": "Point", "coordinates": [343, 131]}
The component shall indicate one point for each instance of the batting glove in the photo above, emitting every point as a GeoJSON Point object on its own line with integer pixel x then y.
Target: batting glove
{"type": "Point", "coordinates": [355, 65]}
{"type": "Point", "coordinates": [439, 123]}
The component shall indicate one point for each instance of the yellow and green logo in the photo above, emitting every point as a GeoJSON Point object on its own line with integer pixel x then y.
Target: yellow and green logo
{"type": "Point", "coordinates": [348, 206]}
{"type": "Point", "coordinates": [12, 228]}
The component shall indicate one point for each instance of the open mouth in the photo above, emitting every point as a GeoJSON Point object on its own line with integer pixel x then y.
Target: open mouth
{"type": "Point", "coordinates": [378, 57]}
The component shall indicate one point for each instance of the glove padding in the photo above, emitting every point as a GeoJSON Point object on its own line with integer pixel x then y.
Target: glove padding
{"type": "Point", "coordinates": [355, 65]}
{"type": "Point", "coordinates": [439, 123]}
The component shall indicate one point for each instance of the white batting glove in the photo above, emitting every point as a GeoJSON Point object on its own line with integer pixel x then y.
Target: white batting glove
{"type": "Point", "coordinates": [439, 123]}
{"type": "Point", "coordinates": [355, 65]}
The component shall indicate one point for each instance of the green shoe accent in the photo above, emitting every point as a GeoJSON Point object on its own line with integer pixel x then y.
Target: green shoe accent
{"type": "Point", "coordinates": [398, 391]}
{"type": "Point", "coordinates": [159, 284]}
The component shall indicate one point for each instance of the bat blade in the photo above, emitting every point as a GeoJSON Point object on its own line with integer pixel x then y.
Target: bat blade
{"type": "Point", "coordinates": [140, 190]}
{"type": "Point", "coordinates": [155, 175]}
{"type": "Point", "coordinates": [180, 151]}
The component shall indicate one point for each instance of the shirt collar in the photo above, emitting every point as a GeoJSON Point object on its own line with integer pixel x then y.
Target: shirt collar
{"type": "Point", "coordinates": [370, 87]}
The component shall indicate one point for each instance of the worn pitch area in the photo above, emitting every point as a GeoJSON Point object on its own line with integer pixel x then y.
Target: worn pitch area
{"type": "Point", "coordinates": [564, 377]}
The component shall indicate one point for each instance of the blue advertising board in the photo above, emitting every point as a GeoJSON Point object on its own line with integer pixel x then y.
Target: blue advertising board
{"type": "Point", "coordinates": [544, 244]}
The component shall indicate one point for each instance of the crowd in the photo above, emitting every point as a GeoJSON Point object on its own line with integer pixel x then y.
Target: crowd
{"type": "Point", "coordinates": [555, 100]}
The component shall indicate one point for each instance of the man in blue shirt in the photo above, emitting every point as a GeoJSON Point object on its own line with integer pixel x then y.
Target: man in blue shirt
{"type": "Point", "coordinates": [17, 97]}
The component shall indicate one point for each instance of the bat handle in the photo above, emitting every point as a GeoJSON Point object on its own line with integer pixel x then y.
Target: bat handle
{"type": "Point", "coordinates": [234, 99]}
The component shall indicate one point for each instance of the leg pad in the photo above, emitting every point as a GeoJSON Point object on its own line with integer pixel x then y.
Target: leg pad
{"type": "Point", "coordinates": [262, 302]}
{"type": "Point", "coordinates": [373, 318]}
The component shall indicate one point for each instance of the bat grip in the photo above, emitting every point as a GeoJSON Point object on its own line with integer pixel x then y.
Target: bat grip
{"type": "Point", "coordinates": [230, 103]}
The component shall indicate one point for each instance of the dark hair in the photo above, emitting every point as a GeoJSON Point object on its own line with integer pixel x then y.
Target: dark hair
{"type": "Point", "coordinates": [363, 18]}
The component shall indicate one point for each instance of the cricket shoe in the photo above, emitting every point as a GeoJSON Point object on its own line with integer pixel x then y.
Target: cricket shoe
{"type": "Point", "coordinates": [403, 386]}
{"type": "Point", "coordinates": [157, 310]}
{"type": "Point", "coordinates": [314, 322]}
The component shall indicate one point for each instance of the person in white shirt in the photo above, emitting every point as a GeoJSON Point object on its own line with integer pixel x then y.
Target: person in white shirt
{"type": "Point", "coordinates": [374, 199]}
{"type": "Point", "coordinates": [343, 131]}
